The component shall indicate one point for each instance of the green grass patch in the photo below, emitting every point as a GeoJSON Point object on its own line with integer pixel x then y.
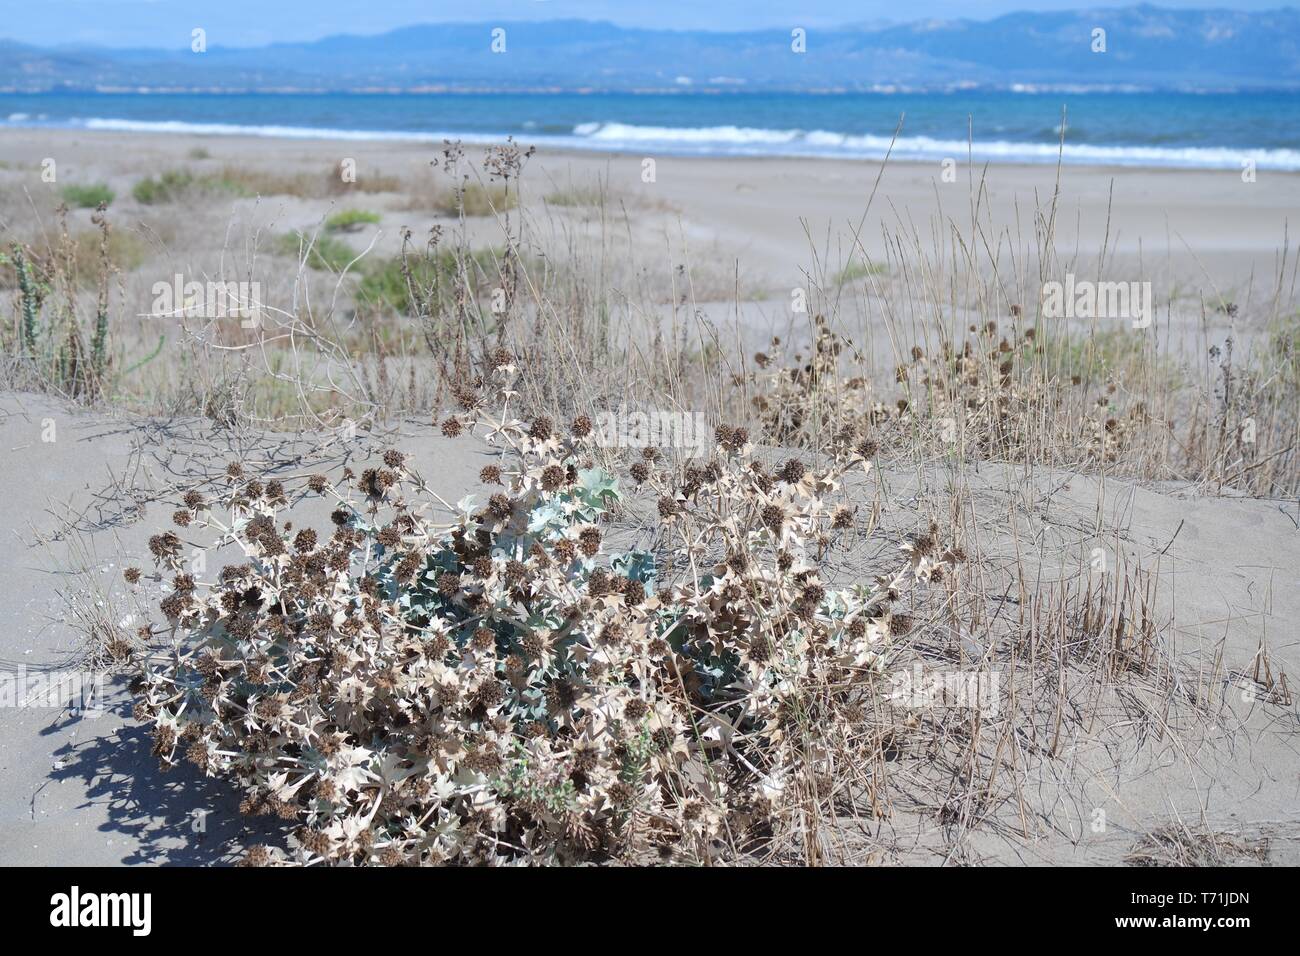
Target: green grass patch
{"type": "Point", "coordinates": [856, 270]}
{"type": "Point", "coordinates": [327, 253]}
{"type": "Point", "coordinates": [175, 184]}
{"type": "Point", "coordinates": [350, 220]}
{"type": "Point", "coordinates": [475, 200]}
{"type": "Point", "coordinates": [1121, 353]}
{"type": "Point", "coordinates": [576, 196]}
{"type": "Point", "coordinates": [384, 284]}
{"type": "Point", "coordinates": [87, 195]}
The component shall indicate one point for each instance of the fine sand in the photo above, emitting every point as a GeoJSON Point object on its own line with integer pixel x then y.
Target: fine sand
{"type": "Point", "coordinates": [84, 789]}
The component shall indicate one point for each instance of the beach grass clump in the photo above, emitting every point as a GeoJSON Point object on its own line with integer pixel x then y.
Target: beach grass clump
{"type": "Point", "coordinates": [87, 195]}
{"type": "Point", "coordinates": [576, 196]}
{"type": "Point", "coordinates": [412, 284]}
{"type": "Point", "coordinates": [244, 181]}
{"type": "Point", "coordinates": [58, 346]}
{"type": "Point", "coordinates": [857, 270]}
{"type": "Point", "coordinates": [473, 200]}
{"type": "Point", "coordinates": [340, 182]}
{"type": "Point", "coordinates": [168, 186]}
{"type": "Point", "coordinates": [507, 688]}
{"type": "Point", "coordinates": [351, 220]}
{"type": "Point", "coordinates": [174, 185]}
{"type": "Point", "coordinates": [326, 253]}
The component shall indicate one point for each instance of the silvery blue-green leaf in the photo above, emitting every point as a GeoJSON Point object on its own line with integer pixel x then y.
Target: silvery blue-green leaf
{"type": "Point", "coordinates": [598, 486]}
{"type": "Point", "coordinates": [637, 565]}
{"type": "Point", "coordinates": [545, 517]}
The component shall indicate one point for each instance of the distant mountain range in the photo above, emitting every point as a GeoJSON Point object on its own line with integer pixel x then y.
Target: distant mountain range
{"type": "Point", "coordinates": [1145, 47]}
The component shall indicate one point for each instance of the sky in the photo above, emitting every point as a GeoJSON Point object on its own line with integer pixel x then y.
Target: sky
{"type": "Point", "coordinates": [167, 23]}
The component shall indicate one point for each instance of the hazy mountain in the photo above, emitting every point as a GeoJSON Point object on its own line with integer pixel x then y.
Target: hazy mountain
{"type": "Point", "coordinates": [1145, 46]}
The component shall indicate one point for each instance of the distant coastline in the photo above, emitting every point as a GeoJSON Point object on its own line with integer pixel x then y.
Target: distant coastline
{"type": "Point", "coordinates": [1143, 48]}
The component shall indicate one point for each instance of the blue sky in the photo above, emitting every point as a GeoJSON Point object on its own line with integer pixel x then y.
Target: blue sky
{"type": "Point", "coordinates": [159, 23]}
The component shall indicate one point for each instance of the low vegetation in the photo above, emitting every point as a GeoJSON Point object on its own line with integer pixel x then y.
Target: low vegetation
{"type": "Point", "coordinates": [620, 653]}
{"type": "Point", "coordinates": [87, 195]}
{"type": "Point", "coordinates": [351, 220]}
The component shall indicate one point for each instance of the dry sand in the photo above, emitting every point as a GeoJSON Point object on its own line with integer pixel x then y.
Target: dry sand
{"type": "Point", "coordinates": [84, 789]}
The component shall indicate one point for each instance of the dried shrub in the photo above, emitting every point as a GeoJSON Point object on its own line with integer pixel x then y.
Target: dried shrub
{"type": "Point", "coordinates": [506, 689]}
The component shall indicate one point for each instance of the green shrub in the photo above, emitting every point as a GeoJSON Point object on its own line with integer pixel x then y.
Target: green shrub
{"type": "Point", "coordinates": [87, 196]}
{"type": "Point", "coordinates": [174, 184]}
{"type": "Point", "coordinates": [327, 253]}
{"type": "Point", "coordinates": [350, 220]}
{"type": "Point", "coordinates": [385, 285]}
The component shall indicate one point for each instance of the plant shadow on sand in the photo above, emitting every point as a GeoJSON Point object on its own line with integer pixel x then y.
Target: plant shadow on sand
{"type": "Point", "coordinates": [161, 818]}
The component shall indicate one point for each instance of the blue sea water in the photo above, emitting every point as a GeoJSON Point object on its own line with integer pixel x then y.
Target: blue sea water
{"type": "Point", "coordinates": [1211, 130]}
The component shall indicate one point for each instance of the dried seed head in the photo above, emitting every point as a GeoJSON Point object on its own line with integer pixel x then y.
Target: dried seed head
{"type": "Point", "coordinates": [634, 593]}
{"type": "Point", "coordinates": [553, 478]}
{"type": "Point", "coordinates": [774, 517]}
{"type": "Point", "coordinates": [792, 471]}
{"type": "Point", "coordinates": [589, 541]}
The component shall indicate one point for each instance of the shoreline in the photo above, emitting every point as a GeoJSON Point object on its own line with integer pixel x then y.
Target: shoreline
{"type": "Point", "coordinates": [562, 148]}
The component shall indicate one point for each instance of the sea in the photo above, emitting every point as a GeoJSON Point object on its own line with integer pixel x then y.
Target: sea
{"type": "Point", "coordinates": [1151, 129]}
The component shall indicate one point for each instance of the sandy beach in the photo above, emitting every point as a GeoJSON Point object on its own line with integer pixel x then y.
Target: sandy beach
{"type": "Point", "coordinates": [710, 254]}
{"type": "Point", "coordinates": [768, 214]}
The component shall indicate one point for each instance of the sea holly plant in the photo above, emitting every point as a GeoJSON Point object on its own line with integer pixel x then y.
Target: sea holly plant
{"type": "Point", "coordinates": [501, 688]}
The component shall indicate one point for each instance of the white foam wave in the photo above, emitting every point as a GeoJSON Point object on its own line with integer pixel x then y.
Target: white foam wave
{"type": "Point", "coordinates": [751, 141]}
{"type": "Point", "coordinates": [744, 140]}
